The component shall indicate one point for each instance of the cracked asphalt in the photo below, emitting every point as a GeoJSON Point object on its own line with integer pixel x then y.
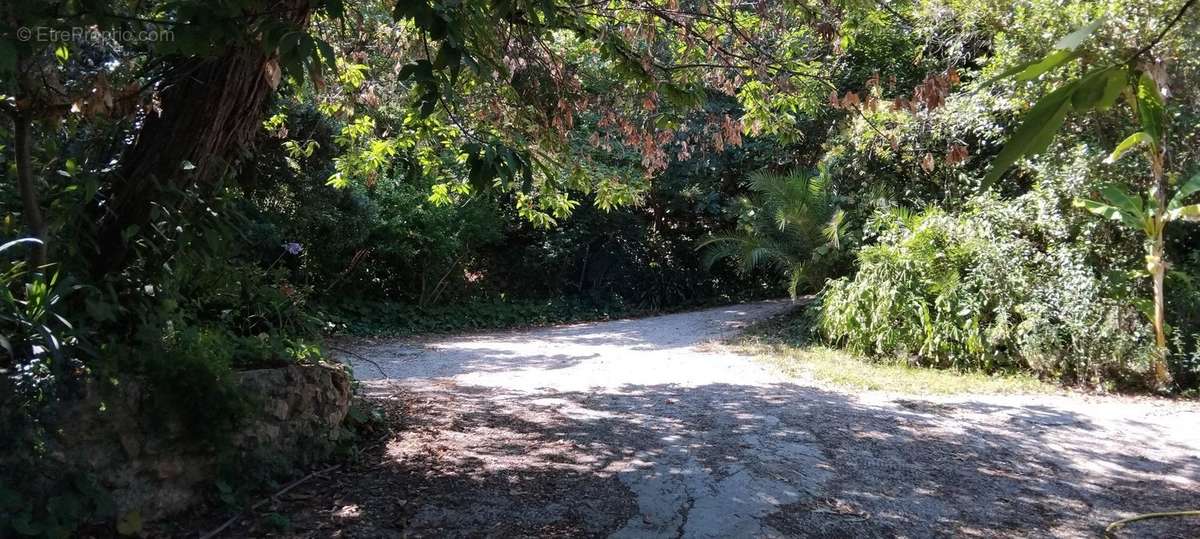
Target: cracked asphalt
{"type": "Point", "coordinates": [646, 428]}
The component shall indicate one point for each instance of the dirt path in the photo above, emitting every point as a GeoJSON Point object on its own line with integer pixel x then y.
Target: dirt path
{"type": "Point", "coordinates": [643, 428]}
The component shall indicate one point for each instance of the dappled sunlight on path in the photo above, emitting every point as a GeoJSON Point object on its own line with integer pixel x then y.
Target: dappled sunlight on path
{"type": "Point", "coordinates": [637, 428]}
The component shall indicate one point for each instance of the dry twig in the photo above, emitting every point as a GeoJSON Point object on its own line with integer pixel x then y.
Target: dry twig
{"type": "Point", "coordinates": [260, 503]}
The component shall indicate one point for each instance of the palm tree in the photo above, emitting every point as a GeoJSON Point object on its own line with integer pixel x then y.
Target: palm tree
{"type": "Point", "coordinates": [794, 225]}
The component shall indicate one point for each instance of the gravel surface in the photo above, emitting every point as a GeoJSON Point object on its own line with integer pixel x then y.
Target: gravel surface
{"type": "Point", "coordinates": [648, 428]}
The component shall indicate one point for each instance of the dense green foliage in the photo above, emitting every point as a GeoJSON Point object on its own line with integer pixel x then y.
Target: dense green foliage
{"type": "Point", "coordinates": [976, 291]}
{"type": "Point", "coordinates": [1025, 281]}
{"type": "Point", "coordinates": [793, 224]}
{"type": "Point", "coordinates": [195, 187]}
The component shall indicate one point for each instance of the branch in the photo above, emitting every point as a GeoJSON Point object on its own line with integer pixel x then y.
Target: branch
{"type": "Point", "coordinates": [1170, 24]}
{"type": "Point", "coordinates": [362, 357]}
{"type": "Point", "coordinates": [883, 4]}
{"type": "Point", "coordinates": [260, 503]}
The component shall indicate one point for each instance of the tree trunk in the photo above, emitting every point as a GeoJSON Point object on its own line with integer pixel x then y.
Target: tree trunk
{"type": "Point", "coordinates": [1158, 269]}
{"type": "Point", "coordinates": [1157, 274]}
{"type": "Point", "coordinates": [1157, 264]}
{"type": "Point", "coordinates": [29, 198]}
{"type": "Point", "coordinates": [211, 110]}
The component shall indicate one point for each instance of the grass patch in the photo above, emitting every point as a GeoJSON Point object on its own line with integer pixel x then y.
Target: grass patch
{"type": "Point", "coordinates": [786, 343]}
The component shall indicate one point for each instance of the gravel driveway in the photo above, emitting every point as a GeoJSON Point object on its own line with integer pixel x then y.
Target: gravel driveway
{"type": "Point", "coordinates": [646, 428]}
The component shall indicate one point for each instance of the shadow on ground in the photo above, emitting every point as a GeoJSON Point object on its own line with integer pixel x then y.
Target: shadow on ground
{"type": "Point", "coordinates": [733, 461]}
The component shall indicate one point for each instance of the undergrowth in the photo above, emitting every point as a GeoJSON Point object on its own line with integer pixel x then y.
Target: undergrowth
{"type": "Point", "coordinates": [392, 319]}
{"type": "Point", "coordinates": [786, 342]}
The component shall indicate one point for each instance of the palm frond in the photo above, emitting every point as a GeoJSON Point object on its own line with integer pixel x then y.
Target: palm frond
{"type": "Point", "coordinates": [797, 275]}
{"type": "Point", "coordinates": [721, 246]}
{"type": "Point", "coordinates": [793, 227]}
{"type": "Point", "coordinates": [833, 229]}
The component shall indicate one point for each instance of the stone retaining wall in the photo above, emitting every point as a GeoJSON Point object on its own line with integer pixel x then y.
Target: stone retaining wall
{"type": "Point", "coordinates": [159, 470]}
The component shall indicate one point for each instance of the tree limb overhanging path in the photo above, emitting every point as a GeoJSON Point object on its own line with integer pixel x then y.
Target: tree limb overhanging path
{"type": "Point", "coordinates": [647, 428]}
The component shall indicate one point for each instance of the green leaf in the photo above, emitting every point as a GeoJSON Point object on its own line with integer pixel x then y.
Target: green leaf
{"type": "Point", "coordinates": [1074, 39]}
{"type": "Point", "coordinates": [1099, 89]}
{"type": "Point", "coordinates": [680, 96]}
{"type": "Point", "coordinates": [1187, 189]}
{"type": "Point", "coordinates": [1044, 137]}
{"type": "Point", "coordinates": [421, 70]}
{"type": "Point", "coordinates": [1121, 198]}
{"type": "Point", "coordinates": [1011, 71]}
{"type": "Point", "coordinates": [481, 162]}
{"type": "Point", "coordinates": [447, 56]}
{"type": "Point", "coordinates": [429, 101]}
{"type": "Point", "coordinates": [419, 11]}
{"type": "Point", "coordinates": [1150, 108]}
{"type": "Point", "coordinates": [1065, 50]}
{"type": "Point", "coordinates": [337, 181]}
{"type": "Point", "coordinates": [1115, 82]}
{"type": "Point", "coordinates": [327, 54]}
{"type": "Point", "coordinates": [1035, 133]}
{"type": "Point", "coordinates": [18, 241]}
{"type": "Point", "coordinates": [1130, 142]}
{"type": "Point", "coordinates": [1053, 60]}
{"type": "Point", "coordinates": [1107, 212]}
{"type": "Point", "coordinates": [1091, 90]}
{"type": "Point", "coordinates": [1186, 213]}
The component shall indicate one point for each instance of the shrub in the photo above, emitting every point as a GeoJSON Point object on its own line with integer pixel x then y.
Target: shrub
{"type": "Point", "coordinates": [976, 290]}
{"type": "Point", "coordinates": [919, 292]}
